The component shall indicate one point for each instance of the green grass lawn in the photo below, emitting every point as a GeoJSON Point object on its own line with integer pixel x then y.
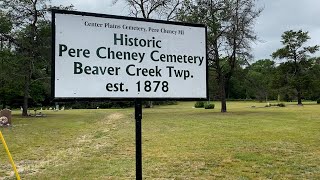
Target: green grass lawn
{"type": "Point", "coordinates": [179, 142]}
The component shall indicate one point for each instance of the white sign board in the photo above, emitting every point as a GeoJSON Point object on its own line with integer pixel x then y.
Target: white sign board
{"type": "Point", "coordinates": [103, 56]}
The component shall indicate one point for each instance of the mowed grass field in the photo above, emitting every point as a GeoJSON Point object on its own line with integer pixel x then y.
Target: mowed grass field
{"type": "Point", "coordinates": [179, 142]}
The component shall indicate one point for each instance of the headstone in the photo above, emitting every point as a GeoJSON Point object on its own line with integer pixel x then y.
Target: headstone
{"type": "Point", "coordinates": [6, 113]}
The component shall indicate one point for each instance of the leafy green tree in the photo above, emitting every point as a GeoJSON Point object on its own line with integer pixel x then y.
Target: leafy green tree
{"type": "Point", "coordinates": [27, 32]}
{"type": "Point", "coordinates": [313, 92]}
{"type": "Point", "coordinates": [259, 79]}
{"type": "Point", "coordinates": [8, 84]}
{"type": "Point", "coordinates": [25, 17]}
{"type": "Point", "coordinates": [296, 54]}
{"type": "Point", "coordinates": [230, 33]}
{"type": "Point", "coordinates": [6, 75]}
{"type": "Point", "coordinates": [40, 71]}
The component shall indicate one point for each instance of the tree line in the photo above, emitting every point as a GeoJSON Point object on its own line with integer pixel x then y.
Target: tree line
{"type": "Point", "coordinates": [25, 51]}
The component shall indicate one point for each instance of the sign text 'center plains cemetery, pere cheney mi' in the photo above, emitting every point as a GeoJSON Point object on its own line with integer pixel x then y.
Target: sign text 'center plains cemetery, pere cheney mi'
{"type": "Point", "coordinates": [98, 56]}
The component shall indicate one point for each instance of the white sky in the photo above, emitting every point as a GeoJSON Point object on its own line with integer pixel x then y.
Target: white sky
{"type": "Point", "coordinates": [278, 16]}
{"type": "Point", "coordinates": [282, 15]}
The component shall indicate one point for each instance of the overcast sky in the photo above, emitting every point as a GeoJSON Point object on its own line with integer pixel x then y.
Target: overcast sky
{"type": "Point", "coordinates": [278, 16]}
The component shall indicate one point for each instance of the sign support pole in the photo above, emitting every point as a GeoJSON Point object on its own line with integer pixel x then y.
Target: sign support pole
{"type": "Point", "coordinates": [9, 155]}
{"type": "Point", "coordinates": [138, 118]}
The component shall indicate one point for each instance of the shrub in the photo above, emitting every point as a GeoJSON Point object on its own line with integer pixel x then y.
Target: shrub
{"type": "Point", "coordinates": [172, 102]}
{"type": "Point", "coordinates": [318, 101]}
{"type": "Point", "coordinates": [279, 105]}
{"type": "Point", "coordinates": [199, 104]}
{"type": "Point", "coordinates": [209, 106]}
{"type": "Point", "coordinates": [169, 102]}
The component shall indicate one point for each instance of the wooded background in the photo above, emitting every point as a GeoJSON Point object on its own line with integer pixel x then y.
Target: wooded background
{"type": "Point", "coordinates": [25, 53]}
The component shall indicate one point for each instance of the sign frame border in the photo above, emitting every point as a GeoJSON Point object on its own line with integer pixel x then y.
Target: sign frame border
{"type": "Point", "coordinates": [80, 13]}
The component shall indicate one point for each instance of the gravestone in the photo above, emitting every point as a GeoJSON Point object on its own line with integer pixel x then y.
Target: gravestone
{"type": "Point", "coordinates": [6, 113]}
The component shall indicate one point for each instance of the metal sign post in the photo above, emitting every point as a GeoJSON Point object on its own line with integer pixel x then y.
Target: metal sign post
{"type": "Point", "coordinates": [138, 118]}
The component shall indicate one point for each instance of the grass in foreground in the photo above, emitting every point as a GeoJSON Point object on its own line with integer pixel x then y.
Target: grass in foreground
{"type": "Point", "coordinates": [179, 142]}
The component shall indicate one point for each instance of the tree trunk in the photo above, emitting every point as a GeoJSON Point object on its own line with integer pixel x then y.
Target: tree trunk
{"type": "Point", "coordinates": [149, 104]}
{"type": "Point", "coordinates": [26, 96]}
{"type": "Point", "coordinates": [26, 89]}
{"type": "Point", "coordinates": [31, 54]}
{"type": "Point", "coordinates": [299, 97]}
{"type": "Point", "coordinates": [266, 95]}
{"type": "Point", "coordinates": [223, 96]}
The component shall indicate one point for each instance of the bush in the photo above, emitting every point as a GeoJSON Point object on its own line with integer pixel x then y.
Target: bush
{"type": "Point", "coordinates": [281, 105]}
{"type": "Point", "coordinates": [199, 104]}
{"type": "Point", "coordinates": [318, 101]}
{"type": "Point", "coordinates": [209, 106]}
{"type": "Point", "coordinates": [169, 102]}
{"type": "Point", "coordinates": [101, 105]}
{"type": "Point", "coordinates": [172, 102]}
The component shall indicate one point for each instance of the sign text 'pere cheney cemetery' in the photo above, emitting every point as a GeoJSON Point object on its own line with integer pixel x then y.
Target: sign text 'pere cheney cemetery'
{"type": "Point", "coordinates": [102, 56]}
